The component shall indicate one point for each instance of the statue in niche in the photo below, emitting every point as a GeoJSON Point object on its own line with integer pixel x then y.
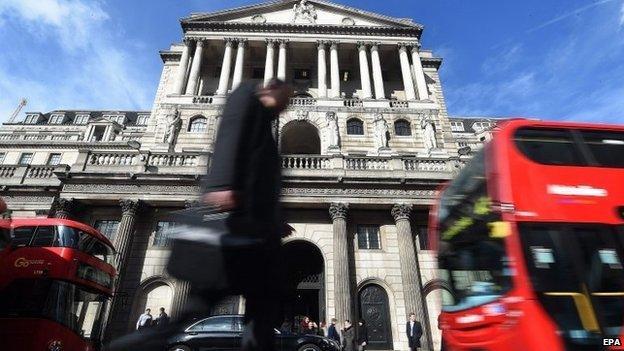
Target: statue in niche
{"type": "Point", "coordinates": [429, 137]}
{"type": "Point", "coordinates": [382, 132]}
{"type": "Point", "coordinates": [332, 129]}
{"type": "Point", "coordinates": [174, 122]}
{"type": "Point", "coordinates": [304, 11]}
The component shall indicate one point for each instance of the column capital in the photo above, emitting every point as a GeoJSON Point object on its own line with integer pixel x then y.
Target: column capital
{"type": "Point", "coordinates": [401, 211]}
{"type": "Point", "coordinates": [322, 43]}
{"type": "Point", "coordinates": [241, 41]}
{"type": "Point", "coordinates": [229, 41]}
{"type": "Point", "coordinates": [338, 210]}
{"type": "Point", "coordinates": [362, 45]}
{"type": "Point", "coordinates": [129, 206]}
{"type": "Point", "coordinates": [200, 41]}
{"type": "Point", "coordinates": [191, 203]}
{"type": "Point", "coordinates": [415, 46]}
{"type": "Point", "coordinates": [283, 42]}
{"type": "Point", "coordinates": [270, 41]}
{"type": "Point", "coordinates": [333, 44]}
{"type": "Point", "coordinates": [374, 44]}
{"type": "Point", "coordinates": [188, 41]}
{"type": "Point", "coordinates": [64, 206]}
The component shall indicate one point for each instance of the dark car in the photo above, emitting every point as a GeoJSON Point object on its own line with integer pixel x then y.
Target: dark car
{"type": "Point", "coordinates": [224, 333]}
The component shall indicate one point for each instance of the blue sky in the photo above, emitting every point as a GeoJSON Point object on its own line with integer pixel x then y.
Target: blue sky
{"type": "Point", "coordinates": [555, 59]}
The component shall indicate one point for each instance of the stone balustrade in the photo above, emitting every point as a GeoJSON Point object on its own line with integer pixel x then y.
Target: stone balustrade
{"type": "Point", "coordinates": [353, 103]}
{"type": "Point", "coordinates": [426, 165]}
{"type": "Point", "coordinates": [297, 101]}
{"type": "Point", "coordinates": [98, 158]}
{"type": "Point", "coordinates": [173, 160]}
{"type": "Point", "coordinates": [202, 99]}
{"type": "Point", "coordinates": [306, 162]}
{"type": "Point", "coordinates": [399, 104]}
{"type": "Point", "coordinates": [40, 172]}
{"type": "Point", "coordinates": [7, 171]}
{"type": "Point", "coordinates": [30, 175]}
{"type": "Point", "coordinates": [367, 163]}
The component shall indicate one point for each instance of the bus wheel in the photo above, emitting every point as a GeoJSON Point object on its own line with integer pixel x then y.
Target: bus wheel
{"type": "Point", "coordinates": [309, 347]}
{"type": "Point", "coordinates": [180, 348]}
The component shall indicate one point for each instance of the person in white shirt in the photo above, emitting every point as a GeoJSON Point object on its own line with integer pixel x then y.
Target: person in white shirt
{"type": "Point", "coordinates": [145, 320]}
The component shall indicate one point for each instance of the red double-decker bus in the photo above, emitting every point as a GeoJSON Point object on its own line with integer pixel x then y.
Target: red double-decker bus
{"type": "Point", "coordinates": [530, 239]}
{"type": "Point", "coordinates": [56, 280]}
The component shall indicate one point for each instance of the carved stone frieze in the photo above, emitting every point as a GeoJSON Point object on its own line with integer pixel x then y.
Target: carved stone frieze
{"type": "Point", "coordinates": [358, 192]}
{"type": "Point", "coordinates": [131, 188]}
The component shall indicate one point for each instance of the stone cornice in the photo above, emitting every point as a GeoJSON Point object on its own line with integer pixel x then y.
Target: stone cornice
{"type": "Point", "coordinates": [411, 32]}
{"type": "Point", "coordinates": [431, 62]}
{"type": "Point", "coordinates": [169, 55]}
{"type": "Point", "coordinates": [47, 144]}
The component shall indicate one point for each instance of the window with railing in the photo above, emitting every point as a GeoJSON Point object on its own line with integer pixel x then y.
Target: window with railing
{"type": "Point", "coordinates": [368, 237]}
{"type": "Point", "coordinates": [25, 159]}
{"type": "Point", "coordinates": [198, 124]}
{"type": "Point", "coordinates": [162, 233]}
{"type": "Point", "coordinates": [54, 159]}
{"type": "Point", "coordinates": [355, 127]}
{"type": "Point", "coordinates": [107, 227]}
{"type": "Point", "coordinates": [402, 128]}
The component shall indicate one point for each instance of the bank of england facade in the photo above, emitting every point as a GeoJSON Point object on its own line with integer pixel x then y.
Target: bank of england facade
{"type": "Point", "coordinates": [365, 143]}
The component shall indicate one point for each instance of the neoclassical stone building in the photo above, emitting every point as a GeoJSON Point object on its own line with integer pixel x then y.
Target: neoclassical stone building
{"type": "Point", "coordinates": [366, 141]}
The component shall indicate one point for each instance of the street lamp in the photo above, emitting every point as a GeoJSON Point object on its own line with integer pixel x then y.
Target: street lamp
{"type": "Point", "coordinates": [134, 144]}
{"type": "Point", "coordinates": [464, 151]}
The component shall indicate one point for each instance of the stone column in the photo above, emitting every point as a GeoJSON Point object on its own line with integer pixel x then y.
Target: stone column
{"type": "Point", "coordinates": [377, 76]}
{"type": "Point", "coordinates": [334, 70]}
{"type": "Point", "coordinates": [224, 78]}
{"type": "Point", "coordinates": [62, 208]}
{"type": "Point", "coordinates": [182, 68]}
{"type": "Point", "coordinates": [342, 286]}
{"type": "Point", "coordinates": [410, 270]}
{"type": "Point", "coordinates": [322, 70]}
{"type": "Point", "coordinates": [268, 63]}
{"type": "Point", "coordinates": [281, 60]}
{"type": "Point", "coordinates": [364, 76]}
{"type": "Point", "coordinates": [238, 65]}
{"type": "Point", "coordinates": [407, 74]}
{"type": "Point", "coordinates": [193, 81]}
{"type": "Point", "coordinates": [180, 298]}
{"type": "Point", "coordinates": [419, 74]}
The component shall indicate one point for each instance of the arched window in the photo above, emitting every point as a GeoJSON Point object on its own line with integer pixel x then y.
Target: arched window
{"type": "Point", "coordinates": [355, 127]}
{"type": "Point", "coordinates": [198, 124]}
{"type": "Point", "coordinates": [402, 128]}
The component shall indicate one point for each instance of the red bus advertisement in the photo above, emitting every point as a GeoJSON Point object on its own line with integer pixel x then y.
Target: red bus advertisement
{"type": "Point", "coordinates": [56, 280]}
{"type": "Point", "coordinates": [530, 239]}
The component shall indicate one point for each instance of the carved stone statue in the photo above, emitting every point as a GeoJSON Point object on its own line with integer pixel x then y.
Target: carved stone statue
{"type": "Point", "coordinates": [429, 130]}
{"type": "Point", "coordinates": [382, 133]}
{"type": "Point", "coordinates": [174, 122]}
{"type": "Point", "coordinates": [304, 11]}
{"type": "Point", "coordinates": [332, 129]}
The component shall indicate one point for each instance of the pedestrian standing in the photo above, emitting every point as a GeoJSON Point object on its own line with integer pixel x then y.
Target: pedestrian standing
{"type": "Point", "coordinates": [414, 332]}
{"type": "Point", "coordinates": [362, 336]}
{"type": "Point", "coordinates": [348, 337]}
{"type": "Point", "coordinates": [145, 320]}
{"type": "Point", "coordinates": [332, 332]}
{"type": "Point", "coordinates": [163, 318]}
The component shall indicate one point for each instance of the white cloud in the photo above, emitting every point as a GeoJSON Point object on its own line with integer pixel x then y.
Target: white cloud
{"type": "Point", "coordinates": [622, 15]}
{"type": "Point", "coordinates": [567, 15]}
{"type": "Point", "coordinates": [81, 63]}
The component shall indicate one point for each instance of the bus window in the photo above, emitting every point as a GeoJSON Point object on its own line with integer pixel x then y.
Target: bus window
{"type": "Point", "coordinates": [607, 148]}
{"type": "Point", "coordinates": [22, 236]}
{"type": "Point", "coordinates": [87, 243]}
{"type": "Point", "coordinates": [548, 146]}
{"type": "Point", "coordinates": [44, 236]}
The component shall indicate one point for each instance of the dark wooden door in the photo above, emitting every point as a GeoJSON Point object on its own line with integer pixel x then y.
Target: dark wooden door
{"type": "Point", "coordinates": [375, 312]}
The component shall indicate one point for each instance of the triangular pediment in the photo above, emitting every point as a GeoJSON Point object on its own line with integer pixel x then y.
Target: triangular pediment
{"type": "Point", "coordinates": [314, 12]}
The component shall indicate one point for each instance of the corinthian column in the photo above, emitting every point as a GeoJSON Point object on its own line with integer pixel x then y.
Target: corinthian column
{"type": "Point", "coordinates": [405, 72]}
{"type": "Point", "coordinates": [419, 74]}
{"type": "Point", "coordinates": [193, 82]}
{"type": "Point", "coordinates": [62, 208]}
{"type": "Point", "coordinates": [377, 76]}
{"type": "Point", "coordinates": [364, 76]}
{"type": "Point", "coordinates": [268, 63]}
{"type": "Point", "coordinates": [334, 70]}
{"type": "Point", "coordinates": [342, 286]}
{"type": "Point", "coordinates": [182, 68]}
{"type": "Point", "coordinates": [322, 70]}
{"type": "Point", "coordinates": [410, 270]}
{"type": "Point", "coordinates": [281, 60]}
{"type": "Point", "coordinates": [238, 65]}
{"type": "Point", "coordinates": [224, 78]}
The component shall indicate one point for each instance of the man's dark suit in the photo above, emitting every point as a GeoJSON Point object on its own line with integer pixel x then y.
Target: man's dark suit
{"type": "Point", "coordinates": [246, 161]}
{"type": "Point", "coordinates": [413, 334]}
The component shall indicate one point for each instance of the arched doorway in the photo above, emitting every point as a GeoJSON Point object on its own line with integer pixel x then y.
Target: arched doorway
{"type": "Point", "coordinates": [305, 280]}
{"type": "Point", "coordinates": [300, 138]}
{"type": "Point", "coordinates": [375, 312]}
{"type": "Point", "coordinates": [154, 297]}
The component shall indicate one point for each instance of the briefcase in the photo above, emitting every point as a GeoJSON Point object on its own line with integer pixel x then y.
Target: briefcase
{"type": "Point", "coordinates": [214, 251]}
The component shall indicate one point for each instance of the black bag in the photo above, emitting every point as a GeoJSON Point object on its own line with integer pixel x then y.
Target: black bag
{"type": "Point", "coordinates": [214, 251]}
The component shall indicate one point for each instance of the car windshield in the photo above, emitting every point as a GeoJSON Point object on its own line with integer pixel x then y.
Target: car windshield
{"type": "Point", "coordinates": [78, 309]}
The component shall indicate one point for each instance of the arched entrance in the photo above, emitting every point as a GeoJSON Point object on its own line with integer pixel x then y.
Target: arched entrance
{"type": "Point", "coordinates": [305, 281]}
{"type": "Point", "coordinates": [375, 312]}
{"type": "Point", "coordinates": [300, 138]}
{"type": "Point", "coordinates": [155, 296]}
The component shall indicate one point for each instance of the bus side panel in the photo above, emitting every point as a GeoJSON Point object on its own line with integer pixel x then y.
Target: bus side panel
{"type": "Point", "coordinates": [37, 334]}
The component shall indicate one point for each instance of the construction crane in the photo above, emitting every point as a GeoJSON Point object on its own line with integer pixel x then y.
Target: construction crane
{"type": "Point", "coordinates": [21, 105]}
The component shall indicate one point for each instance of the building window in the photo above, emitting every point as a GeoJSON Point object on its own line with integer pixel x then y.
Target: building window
{"type": "Point", "coordinates": [31, 119]}
{"type": "Point", "coordinates": [480, 126]}
{"type": "Point", "coordinates": [345, 75]}
{"type": "Point", "coordinates": [257, 73]}
{"type": "Point", "coordinates": [2, 156]}
{"type": "Point", "coordinates": [81, 119]}
{"type": "Point", "coordinates": [462, 143]}
{"type": "Point", "coordinates": [142, 120]}
{"type": "Point", "coordinates": [116, 118]}
{"type": "Point", "coordinates": [368, 237]}
{"type": "Point", "coordinates": [198, 124]}
{"type": "Point", "coordinates": [56, 119]}
{"type": "Point", "coordinates": [25, 159]}
{"type": "Point", "coordinates": [355, 127]}
{"type": "Point", "coordinates": [457, 126]}
{"type": "Point", "coordinates": [54, 159]}
{"type": "Point", "coordinates": [302, 74]}
{"type": "Point", "coordinates": [161, 235]}
{"type": "Point", "coordinates": [98, 133]}
{"type": "Point", "coordinates": [402, 128]}
{"type": "Point", "coordinates": [107, 227]}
